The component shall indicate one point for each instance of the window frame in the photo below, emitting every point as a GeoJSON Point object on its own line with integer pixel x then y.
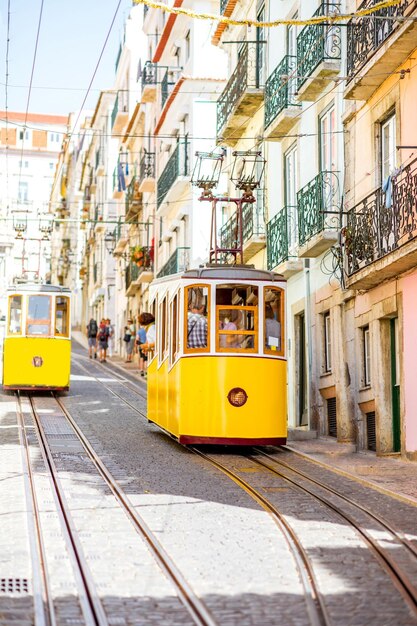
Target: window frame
{"type": "Point", "coordinates": [44, 319]}
{"type": "Point", "coordinates": [20, 333]}
{"type": "Point", "coordinates": [162, 345]}
{"type": "Point", "coordinates": [366, 356]}
{"type": "Point", "coordinates": [174, 320]}
{"type": "Point", "coordinates": [389, 122]}
{"type": "Point", "coordinates": [68, 310]}
{"type": "Point", "coordinates": [188, 350]}
{"type": "Point", "coordinates": [249, 333]}
{"type": "Point", "coordinates": [269, 351]}
{"type": "Point", "coordinates": [327, 343]}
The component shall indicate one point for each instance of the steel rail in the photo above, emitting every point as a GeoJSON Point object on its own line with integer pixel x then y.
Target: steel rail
{"type": "Point", "coordinates": [92, 608]}
{"type": "Point", "coordinates": [400, 580]}
{"type": "Point", "coordinates": [122, 379]}
{"type": "Point", "coordinates": [398, 535]}
{"type": "Point", "coordinates": [195, 606]}
{"type": "Point", "coordinates": [315, 604]}
{"type": "Point", "coordinates": [41, 590]}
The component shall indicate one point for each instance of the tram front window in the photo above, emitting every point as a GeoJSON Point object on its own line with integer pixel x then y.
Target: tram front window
{"type": "Point", "coordinates": [61, 316]}
{"type": "Point", "coordinates": [15, 315]}
{"type": "Point", "coordinates": [39, 316]}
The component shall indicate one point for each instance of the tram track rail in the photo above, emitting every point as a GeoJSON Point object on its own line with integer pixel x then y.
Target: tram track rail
{"type": "Point", "coordinates": [316, 610]}
{"type": "Point", "coordinates": [196, 608]}
{"type": "Point", "coordinates": [400, 579]}
{"type": "Point", "coordinates": [92, 610]}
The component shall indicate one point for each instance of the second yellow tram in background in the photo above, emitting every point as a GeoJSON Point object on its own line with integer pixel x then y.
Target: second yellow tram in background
{"type": "Point", "coordinates": [231, 387]}
{"type": "Point", "coordinates": [37, 342]}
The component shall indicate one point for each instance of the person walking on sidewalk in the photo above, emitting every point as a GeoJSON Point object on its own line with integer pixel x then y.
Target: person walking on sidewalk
{"type": "Point", "coordinates": [102, 338]}
{"type": "Point", "coordinates": [129, 330]}
{"type": "Point", "coordinates": [143, 357]}
{"type": "Point", "coordinates": [92, 330]}
{"type": "Point", "coordinates": [110, 328]}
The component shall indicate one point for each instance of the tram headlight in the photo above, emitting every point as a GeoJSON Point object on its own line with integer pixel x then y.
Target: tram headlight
{"type": "Point", "coordinates": [237, 396]}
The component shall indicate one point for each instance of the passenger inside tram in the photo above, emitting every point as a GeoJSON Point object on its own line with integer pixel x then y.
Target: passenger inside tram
{"type": "Point", "coordinates": [197, 325]}
{"type": "Point", "coordinates": [235, 312]}
{"type": "Point", "coordinates": [273, 328]}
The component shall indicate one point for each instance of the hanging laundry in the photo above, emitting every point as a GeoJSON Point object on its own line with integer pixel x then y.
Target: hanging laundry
{"type": "Point", "coordinates": [121, 182]}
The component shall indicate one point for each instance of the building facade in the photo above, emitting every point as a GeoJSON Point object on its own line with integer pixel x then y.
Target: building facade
{"type": "Point", "coordinates": [29, 149]}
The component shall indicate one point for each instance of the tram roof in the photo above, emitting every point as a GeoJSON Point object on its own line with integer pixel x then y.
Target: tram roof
{"type": "Point", "coordinates": [37, 288]}
{"type": "Point", "coordinates": [231, 272]}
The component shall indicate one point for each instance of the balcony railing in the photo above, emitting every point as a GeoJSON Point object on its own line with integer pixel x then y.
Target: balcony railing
{"type": "Point", "coordinates": [281, 236]}
{"type": "Point", "coordinates": [149, 74]}
{"type": "Point", "coordinates": [133, 200]}
{"type": "Point", "coordinates": [166, 88]}
{"type": "Point", "coordinates": [252, 226]}
{"type": "Point", "coordinates": [147, 166]}
{"type": "Point", "coordinates": [318, 43]}
{"type": "Point", "coordinates": [223, 5]}
{"type": "Point", "coordinates": [178, 262]}
{"type": "Point", "coordinates": [132, 272]}
{"type": "Point", "coordinates": [120, 106]}
{"type": "Point", "coordinates": [246, 76]}
{"type": "Point", "coordinates": [318, 206]}
{"type": "Point", "coordinates": [178, 165]}
{"type": "Point", "coordinates": [366, 34]}
{"type": "Point", "coordinates": [382, 222]}
{"type": "Point", "coordinates": [280, 89]}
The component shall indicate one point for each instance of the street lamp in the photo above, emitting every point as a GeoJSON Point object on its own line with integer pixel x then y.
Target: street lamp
{"type": "Point", "coordinates": [110, 242]}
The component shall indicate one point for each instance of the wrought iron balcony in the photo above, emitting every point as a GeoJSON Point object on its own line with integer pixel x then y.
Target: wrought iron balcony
{"type": "Point", "coordinates": [149, 79]}
{"type": "Point", "coordinates": [277, 239]}
{"type": "Point", "coordinates": [133, 200]}
{"type": "Point", "coordinates": [241, 96]}
{"type": "Point", "coordinates": [177, 262]}
{"type": "Point", "coordinates": [131, 275]}
{"type": "Point", "coordinates": [147, 172]}
{"type": "Point", "coordinates": [280, 90]}
{"type": "Point", "coordinates": [120, 113]}
{"type": "Point", "coordinates": [366, 36]}
{"type": "Point", "coordinates": [178, 165]}
{"type": "Point", "coordinates": [319, 208]}
{"type": "Point", "coordinates": [319, 49]}
{"type": "Point", "coordinates": [166, 87]}
{"type": "Point", "coordinates": [223, 5]}
{"type": "Point", "coordinates": [253, 231]}
{"type": "Point", "coordinates": [383, 223]}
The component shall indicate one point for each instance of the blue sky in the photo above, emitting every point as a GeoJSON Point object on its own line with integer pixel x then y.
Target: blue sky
{"type": "Point", "coordinates": [71, 37]}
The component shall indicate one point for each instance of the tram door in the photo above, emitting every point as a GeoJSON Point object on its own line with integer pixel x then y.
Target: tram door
{"type": "Point", "coordinates": [301, 372]}
{"type": "Point", "coordinates": [395, 385]}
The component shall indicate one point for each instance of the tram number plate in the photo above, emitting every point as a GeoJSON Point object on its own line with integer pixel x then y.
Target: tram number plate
{"type": "Point", "coordinates": [37, 361]}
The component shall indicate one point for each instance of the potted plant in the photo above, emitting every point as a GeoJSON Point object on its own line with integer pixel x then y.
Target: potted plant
{"type": "Point", "coordinates": [138, 255]}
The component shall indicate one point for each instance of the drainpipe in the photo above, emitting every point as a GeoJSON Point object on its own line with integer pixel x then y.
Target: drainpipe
{"type": "Point", "coordinates": [308, 338]}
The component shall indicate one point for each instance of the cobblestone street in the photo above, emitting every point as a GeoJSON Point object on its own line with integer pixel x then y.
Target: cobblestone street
{"type": "Point", "coordinates": [235, 559]}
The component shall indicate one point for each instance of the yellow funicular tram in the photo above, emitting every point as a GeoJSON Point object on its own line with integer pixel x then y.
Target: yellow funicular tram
{"type": "Point", "coordinates": [231, 387]}
{"type": "Point", "coordinates": [37, 342]}
{"type": "Point", "coordinates": [218, 373]}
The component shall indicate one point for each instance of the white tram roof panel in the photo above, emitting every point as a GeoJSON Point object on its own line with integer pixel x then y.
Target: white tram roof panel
{"type": "Point", "coordinates": [37, 288]}
{"type": "Point", "coordinates": [232, 272]}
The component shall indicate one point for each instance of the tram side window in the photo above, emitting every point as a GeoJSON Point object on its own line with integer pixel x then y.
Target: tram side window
{"type": "Point", "coordinates": [39, 316]}
{"type": "Point", "coordinates": [163, 329]}
{"type": "Point", "coordinates": [62, 316]}
{"type": "Point", "coordinates": [174, 330]}
{"type": "Point", "coordinates": [197, 299]}
{"type": "Point", "coordinates": [237, 318]}
{"type": "Point", "coordinates": [274, 321]}
{"type": "Point", "coordinates": [15, 315]}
